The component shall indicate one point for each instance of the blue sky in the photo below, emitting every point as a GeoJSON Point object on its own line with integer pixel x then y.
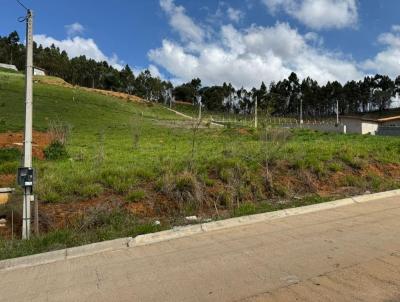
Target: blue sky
{"type": "Point", "coordinates": [243, 42]}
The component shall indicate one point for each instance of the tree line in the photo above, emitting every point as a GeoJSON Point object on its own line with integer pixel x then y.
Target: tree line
{"type": "Point", "coordinates": [281, 98]}
{"type": "Point", "coordinates": [284, 98]}
{"type": "Point", "coordinates": [83, 71]}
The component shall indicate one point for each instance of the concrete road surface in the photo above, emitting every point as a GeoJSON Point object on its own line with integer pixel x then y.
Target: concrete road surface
{"type": "Point", "coordinates": [350, 253]}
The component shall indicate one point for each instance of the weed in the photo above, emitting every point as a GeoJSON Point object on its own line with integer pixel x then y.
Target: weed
{"type": "Point", "coordinates": [59, 131]}
{"type": "Point", "coordinates": [335, 167]}
{"type": "Point", "coordinates": [55, 151]}
{"type": "Point", "coordinates": [245, 209]}
{"type": "Point", "coordinates": [9, 154]}
{"type": "Point", "coordinates": [136, 196]}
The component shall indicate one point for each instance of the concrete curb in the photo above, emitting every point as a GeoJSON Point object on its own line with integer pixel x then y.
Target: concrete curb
{"type": "Point", "coordinates": [180, 232]}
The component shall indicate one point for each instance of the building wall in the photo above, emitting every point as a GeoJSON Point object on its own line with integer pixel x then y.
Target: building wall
{"type": "Point", "coordinates": [392, 124]}
{"type": "Point", "coordinates": [352, 125]}
{"type": "Point", "coordinates": [320, 127]}
{"type": "Point", "coordinates": [325, 128]}
{"type": "Point", "coordinates": [359, 126]}
{"type": "Point", "coordinates": [8, 66]}
{"type": "Point", "coordinates": [38, 72]}
{"type": "Point", "coordinates": [369, 127]}
{"type": "Point", "coordinates": [389, 131]}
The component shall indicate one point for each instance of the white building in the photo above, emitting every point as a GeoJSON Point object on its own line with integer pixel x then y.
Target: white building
{"type": "Point", "coordinates": [39, 71]}
{"type": "Point", "coordinates": [8, 66]}
{"type": "Point", "coordinates": [370, 123]}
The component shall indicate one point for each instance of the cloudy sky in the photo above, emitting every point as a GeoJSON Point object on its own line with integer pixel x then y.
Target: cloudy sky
{"type": "Point", "coordinates": [239, 41]}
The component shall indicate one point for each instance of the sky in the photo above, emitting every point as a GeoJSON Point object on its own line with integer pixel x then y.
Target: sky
{"type": "Point", "coordinates": [243, 42]}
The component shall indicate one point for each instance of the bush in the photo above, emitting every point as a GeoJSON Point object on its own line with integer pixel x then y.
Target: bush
{"type": "Point", "coordinates": [55, 151]}
{"type": "Point", "coordinates": [9, 167]}
{"type": "Point", "coordinates": [183, 187]}
{"type": "Point", "coordinates": [9, 154]}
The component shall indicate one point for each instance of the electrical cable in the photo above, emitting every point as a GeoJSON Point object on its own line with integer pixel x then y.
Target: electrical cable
{"type": "Point", "coordinates": [19, 2]}
{"type": "Point", "coordinates": [22, 19]}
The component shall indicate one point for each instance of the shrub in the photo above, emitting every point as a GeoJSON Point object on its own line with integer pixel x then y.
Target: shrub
{"type": "Point", "coordinates": [9, 154]}
{"type": "Point", "coordinates": [59, 131]}
{"type": "Point", "coordinates": [183, 187]}
{"type": "Point", "coordinates": [9, 167]}
{"type": "Point", "coordinates": [119, 180]}
{"type": "Point", "coordinates": [89, 190]}
{"type": "Point", "coordinates": [55, 151]}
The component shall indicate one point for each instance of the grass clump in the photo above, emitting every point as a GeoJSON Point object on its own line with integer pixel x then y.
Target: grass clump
{"type": "Point", "coordinates": [55, 151]}
{"type": "Point", "coordinates": [136, 196]}
{"type": "Point", "coordinates": [99, 224]}
{"type": "Point", "coordinates": [9, 160]}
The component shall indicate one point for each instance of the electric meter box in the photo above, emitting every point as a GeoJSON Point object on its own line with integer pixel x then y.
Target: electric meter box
{"type": "Point", "coordinates": [26, 177]}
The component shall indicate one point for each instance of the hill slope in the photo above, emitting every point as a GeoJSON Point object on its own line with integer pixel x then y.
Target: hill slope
{"type": "Point", "coordinates": [130, 163]}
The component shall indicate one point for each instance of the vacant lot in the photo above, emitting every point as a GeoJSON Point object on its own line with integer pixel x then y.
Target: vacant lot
{"type": "Point", "coordinates": [127, 164]}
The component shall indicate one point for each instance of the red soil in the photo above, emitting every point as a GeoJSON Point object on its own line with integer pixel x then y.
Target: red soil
{"type": "Point", "coordinates": [15, 140]}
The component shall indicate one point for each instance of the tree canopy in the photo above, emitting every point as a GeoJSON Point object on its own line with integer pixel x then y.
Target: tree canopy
{"type": "Point", "coordinates": [281, 98]}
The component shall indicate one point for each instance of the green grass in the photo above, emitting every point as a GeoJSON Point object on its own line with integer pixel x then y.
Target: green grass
{"type": "Point", "coordinates": [107, 225]}
{"type": "Point", "coordinates": [125, 149]}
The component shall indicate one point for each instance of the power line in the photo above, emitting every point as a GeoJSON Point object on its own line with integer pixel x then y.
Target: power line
{"type": "Point", "coordinates": [19, 2]}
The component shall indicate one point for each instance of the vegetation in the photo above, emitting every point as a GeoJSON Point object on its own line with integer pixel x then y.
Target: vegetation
{"type": "Point", "coordinates": [81, 70]}
{"type": "Point", "coordinates": [147, 163]}
{"type": "Point", "coordinates": [280, 99]}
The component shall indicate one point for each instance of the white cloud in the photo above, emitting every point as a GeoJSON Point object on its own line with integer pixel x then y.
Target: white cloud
{"type": "Point", "coordinates": [181, 23]}
{"type": "Point", "coordinates": [74, 29]}
{"type": "Point", "coordinates": [247, 57]}
{"type": "Point", "coordinates": [318, 14]}
{"type": "Point", "coordinates": [235, 15]}
{"type": "Point", "coordinates": [396, 27]}
{"type": "Point", "coordinates": [388, 60]}
{"type": "Point", "coordinates": [78, 46]}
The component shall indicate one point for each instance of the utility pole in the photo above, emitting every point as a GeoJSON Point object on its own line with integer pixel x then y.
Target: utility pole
{"type": "Point", "coordinates": [301, 112]}
{"type": "Point", "coordinates": [199, 101]}
{"type": "Point", "coordinates": [171, 98]}
{"type": "Point", "coordinates": [26, 173]}
{"type": "Point", "coordinates": [337, 112]}
{"type": "Point", "coordinates": [255, 113]}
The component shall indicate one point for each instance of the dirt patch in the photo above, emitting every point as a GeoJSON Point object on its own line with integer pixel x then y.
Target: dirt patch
{"type": "Point", "coordinates": [52, 81]}
{"type": "Point", "coordinates": [119, 95]}
{"type": "Point", "coordinates": [16, 140]}
{"type": "Point", "coordinates": [7, 180]}
{"type": "Point", "coordinates": [60, 82]}
{"type": "Point", "coordinates": [243, 131]}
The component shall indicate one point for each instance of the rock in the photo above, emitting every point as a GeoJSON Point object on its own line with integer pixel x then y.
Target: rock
{"type": "Point", "coordinates": [157, 222]}
{"type": "Point", "coordinates": [3, 223]}
{"type": "Point", "coordinates": [191, 218]}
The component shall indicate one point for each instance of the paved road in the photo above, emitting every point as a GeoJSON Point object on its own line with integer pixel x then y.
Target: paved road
{"type": "Point", "coordinates": [350, 253]}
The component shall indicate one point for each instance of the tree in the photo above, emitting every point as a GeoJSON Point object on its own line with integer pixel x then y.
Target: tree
{"type": "Point", "coordinates": [13, 40]}
{"type": "Point", "coordinates": [127, 79]}
{"type": "Point", "coordinates": [187, 92]}
{"type": "Point", "coordinates": [351, 97]}
{"type": "Point", "coordinates": [383, 89]}
{"type": "Point", "coordinates": [397, 85]}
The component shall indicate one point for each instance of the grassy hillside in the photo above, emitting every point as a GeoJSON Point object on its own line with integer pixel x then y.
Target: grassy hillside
{"type": "Point", "coordinates": [131, 163]}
